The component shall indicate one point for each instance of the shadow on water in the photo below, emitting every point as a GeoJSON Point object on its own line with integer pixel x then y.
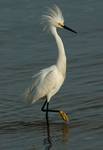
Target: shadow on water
{"type": "Point", "coordinates": [48, 127]}
{"type": "Point", "coordinates": [14, 126]}
{"type": "Point", "coordinates": [48, 140]}
{"type": "Point", "coordinates": [51, 129]}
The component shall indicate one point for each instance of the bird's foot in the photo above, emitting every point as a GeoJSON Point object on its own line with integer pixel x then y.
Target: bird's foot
{"type": "Point", "coordinates": [64, 116]}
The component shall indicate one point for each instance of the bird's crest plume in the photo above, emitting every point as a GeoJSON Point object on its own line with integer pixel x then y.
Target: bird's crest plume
{"type": "Point", "coordinates": [53, 17]}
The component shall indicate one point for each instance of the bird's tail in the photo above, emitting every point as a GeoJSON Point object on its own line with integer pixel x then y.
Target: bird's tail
{"type": "Point", "coordinates": [28, 96]}
{"type": "Point", "coordinates": [32, 94]}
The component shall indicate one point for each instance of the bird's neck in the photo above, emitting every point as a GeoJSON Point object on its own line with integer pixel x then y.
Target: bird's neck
{"type": "Point", "coordinates": [61, 61]}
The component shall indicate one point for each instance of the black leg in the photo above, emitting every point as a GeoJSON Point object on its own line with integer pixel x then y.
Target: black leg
{"type": "Point", "coordinates": [43, 107]}
{"type": "Point", "coordinates": [46, 103]}
{"type": "Point", "coordinates": [62, 114]}
{"type": "Point", "coordinates": [47, 108]}
{"type": "Point", "coordinates": [47, 111]}
{"type": "Point", "coordinates": [48, 134]}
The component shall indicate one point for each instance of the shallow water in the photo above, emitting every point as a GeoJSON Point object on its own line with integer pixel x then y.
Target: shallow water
{"type": "Point", "coordinates": [24, 50]}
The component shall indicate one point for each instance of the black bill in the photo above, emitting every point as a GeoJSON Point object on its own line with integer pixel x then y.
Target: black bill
{"type": "Point", "coordinates": [65, 27]}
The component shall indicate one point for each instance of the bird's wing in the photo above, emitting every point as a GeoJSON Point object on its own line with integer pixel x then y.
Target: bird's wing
{"type": "Point", "coordinates": [43, 83]}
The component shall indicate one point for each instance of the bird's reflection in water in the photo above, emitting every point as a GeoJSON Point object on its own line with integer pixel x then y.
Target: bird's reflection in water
{"type": "Point", "coordinates": [54, 131]}
{"type": "Point", "coordinates": [65, 132]}
{"type": "Point", "coordinates": [48, 141]}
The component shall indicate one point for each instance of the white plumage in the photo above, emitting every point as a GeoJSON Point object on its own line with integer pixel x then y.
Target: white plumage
{"type": "Point", "coordinates": [48, 81]}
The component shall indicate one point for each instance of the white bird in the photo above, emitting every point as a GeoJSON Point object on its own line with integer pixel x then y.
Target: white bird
{"type": "Point", "coordinates": [49, 80]}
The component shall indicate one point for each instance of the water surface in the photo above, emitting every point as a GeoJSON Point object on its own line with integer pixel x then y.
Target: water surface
{"type": "Point", "coordinates": [24, 50]}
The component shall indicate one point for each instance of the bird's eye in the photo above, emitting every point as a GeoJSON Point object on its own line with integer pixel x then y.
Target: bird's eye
{"type": "Point", "coordinates": [59, 24]}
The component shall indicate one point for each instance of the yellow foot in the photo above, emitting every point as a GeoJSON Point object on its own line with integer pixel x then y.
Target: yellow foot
{"type": "Point", "coordinates": [64, 116]}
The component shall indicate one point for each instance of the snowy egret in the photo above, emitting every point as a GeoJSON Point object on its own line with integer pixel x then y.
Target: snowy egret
{"type": "Point", "coordinates": [48, 81]}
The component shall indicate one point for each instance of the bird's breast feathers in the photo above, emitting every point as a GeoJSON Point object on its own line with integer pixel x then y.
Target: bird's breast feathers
{"type": "Point", "coordinates": [51, 81]}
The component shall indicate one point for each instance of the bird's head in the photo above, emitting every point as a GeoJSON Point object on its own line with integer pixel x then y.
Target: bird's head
{"type": "Point", "coordinates": [54, 18]}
